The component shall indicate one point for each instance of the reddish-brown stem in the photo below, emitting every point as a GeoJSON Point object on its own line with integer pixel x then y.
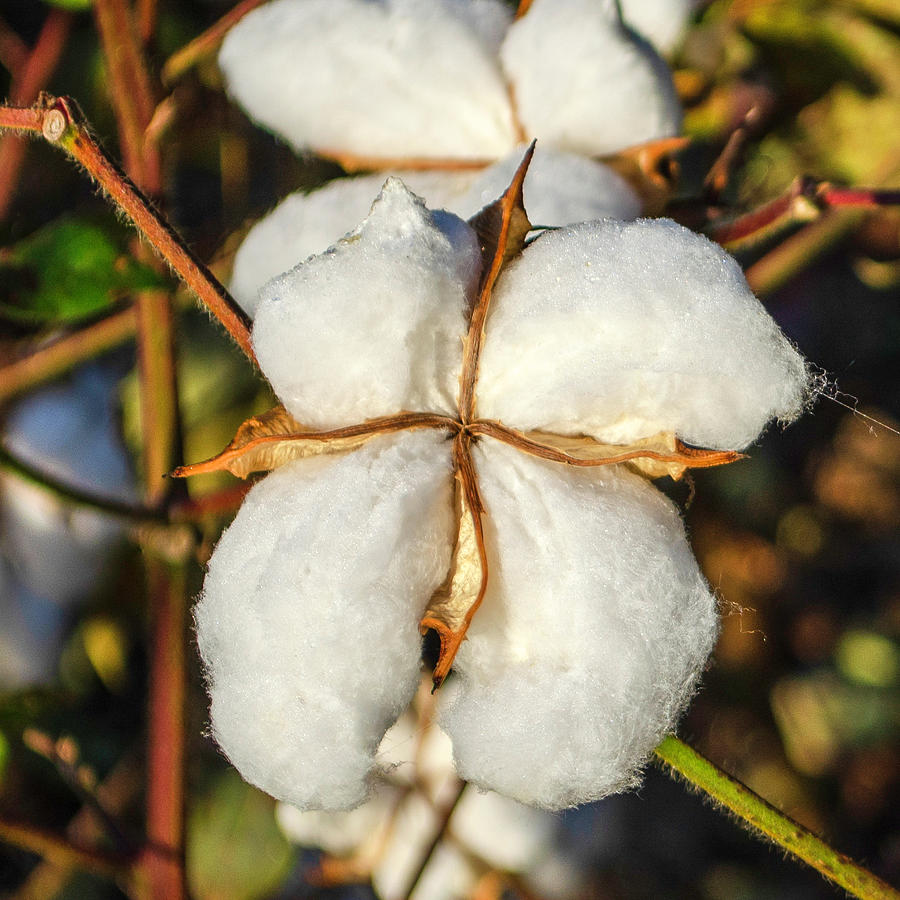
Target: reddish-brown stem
{"type": "Point", "coordinates": [159, 412]}
{"type": "Point", "coordinates": [51, 360]}
{"type": "Point", "coordinates": [61, 124]}
{"type": "Point", "coordinates": [805, 201]}
{"type": "Point", "coordinates": [28, 80]}
{"type": "Point", "coordinates": [147, 11]}
{"type": "Point", "coordinates": [131, 92]}
{"type": "Point", "coordinates": [57, 849]}
{"type": "Point", "coordinates": [13, 50]}
{"type": "Point", "coordinates": [218, 503]}
{"type": "Point", "coordinates": [18, 119]}
{"type": "Point", "coordinates": [204, 45]}
{"type": "Point", "coordinates": [163, 859]}
{"type": "Point", "coordinates": [796, 205]}
{"type": "Point", "coordinates": [793, 255]}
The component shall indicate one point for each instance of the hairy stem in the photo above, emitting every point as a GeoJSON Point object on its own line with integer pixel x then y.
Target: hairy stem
{"type": "Point", "coordinates": [771, 823]}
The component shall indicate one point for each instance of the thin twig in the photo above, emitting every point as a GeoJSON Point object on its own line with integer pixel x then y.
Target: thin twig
{"type": "Point", "coordinates": [163, 858]}
{"type": "Point", "coordinates": [770, 822]}
{"type": "Point", "coordinates": [63, 754]}
{"type": "Point", "coordinates": [28, 81]}
{"type": "Point", "coordinates": [130, 90]}
{"type": "Point", "coordinates": [444, 824]}
{"type": "Point", "coordinates": [60, 123]}
{"type": "Point", "coordinates": [147, 11]}
{"type": "Point", "coordinates": [116, 792]}
{"type": "Point", "coordinates": [205, 45]}
{"type": "Point", "coordinates": [130, 512]}
{"type": "Point", "coordinates": [13, 51]}
{"type": "Point", "coordinates": [51, 360]}
{"type": "Point", "coordinates": [57, 849]}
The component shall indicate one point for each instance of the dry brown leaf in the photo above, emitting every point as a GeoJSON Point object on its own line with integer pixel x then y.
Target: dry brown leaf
{"type": "Point", "coordinates": [653, 457]}
{"type": "Point", "coordinates": [454, 604]}
{"type": "Point", "coordinates": [265, 442]}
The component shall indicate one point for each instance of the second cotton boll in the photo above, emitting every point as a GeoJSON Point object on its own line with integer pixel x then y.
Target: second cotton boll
{"type": "Point", "coordinates": [597, 623]}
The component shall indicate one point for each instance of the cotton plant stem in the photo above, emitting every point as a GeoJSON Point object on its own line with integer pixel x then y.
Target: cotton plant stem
{"type": "Point", "coordinates": [117, 792]}
{"type": "Point", "coordinates": [60, 123]}
{"type": "Point", "coordinates": [13, 50]}
{"type": "Point", "coordinates": [755, 812]}
{"type": "Point", "coordinates": [57, 849]}
{"type": "Point", "coordinates": [799, 251]}
{"type": "Point", "coordinates": [147, 12]}
{"type": "Point", "coordinates": [29, 78]}
{"type": "Point", "coordinates": [204, 45]}
{"type": "Point", "coordinates": [163, 862]}
{"type": "Point", "coordinates": [9, 462]}
{"type": "Point", "coordinates": [130, 91]}
{"type": "Point", "coordinates": [51, 360]}
{"type": "Point", "coordinates": [443, 825]}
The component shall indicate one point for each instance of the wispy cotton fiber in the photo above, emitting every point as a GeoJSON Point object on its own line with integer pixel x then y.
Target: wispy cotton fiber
{"type": "Point", "coordinates": [560, 188]}
{"type": "Point", "coordinates": [374, 325]}
{"type": "Point", "coordinates": [308, 620]}
{"type": "Point", "coordinates": [353, 74]}
{"type": "Point", "coordinates": [583, 83]}
{"type": "Point", "coordinates": [623, 330]}
{"type": "Point", "coordinates": [594, 629]}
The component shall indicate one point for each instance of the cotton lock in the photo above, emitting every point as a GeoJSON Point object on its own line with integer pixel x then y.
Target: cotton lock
{"type": "Point", "coordinates": [596, 622]}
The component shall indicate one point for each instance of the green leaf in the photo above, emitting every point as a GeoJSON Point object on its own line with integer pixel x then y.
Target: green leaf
{"type": "Point", "coordinates": [71, 4]}
{"type": "Point", "coordinates": [67, 271]}
{"type": "Point", "coordinates": [235, 849]}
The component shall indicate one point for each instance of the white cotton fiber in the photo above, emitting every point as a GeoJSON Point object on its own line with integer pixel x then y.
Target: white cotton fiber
{"type": "Point", "coordinates": [661, 22]}
{"type": "Point", "coordinates": [408, 78]}
{"type": "Point", "coordinates": [623, 330]}
{"type": "Point", "coordinates": [374, 325]}
{"type": "Point", "coordinates": [307, 223]}
{"type": "Point", "coordinates": [584, 82]}
{"type": "Point", "coordinates": [560, 188]}
{"type": "Point", "coordinates": [308, 621]}
{"type": "Point", "coordinates": [593, 631]}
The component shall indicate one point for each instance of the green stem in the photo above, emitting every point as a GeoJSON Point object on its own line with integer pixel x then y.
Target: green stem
{"type": "Point", "coordinates": [752, 810]}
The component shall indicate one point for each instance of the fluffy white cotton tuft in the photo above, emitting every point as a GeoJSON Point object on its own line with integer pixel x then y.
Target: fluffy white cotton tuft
{"type": "Point", "coordinates": [307, 223]}
{"type": "Point", "coordinates": [584, 82]}
{"type": "Point", "coordinates": [308, 621]}
{"type": "Point", "coordinates": [560, 188]}
{"type": "Point", "coordinates": [374, 325]}
{"type": "Point", "coordinates": [661, 22]}
{"type": "Point", "coordinates": [351, 75]}
{"type": "Point", "coordinates": [593, 631]}
{"type": "Point", "coordinates": [623, 330]}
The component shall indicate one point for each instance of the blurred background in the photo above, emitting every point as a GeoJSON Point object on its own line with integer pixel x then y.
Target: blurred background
{"type": "Point", "coordinates": [801, 699]}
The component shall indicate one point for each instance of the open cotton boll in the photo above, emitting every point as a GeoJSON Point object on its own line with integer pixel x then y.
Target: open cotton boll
{"type": "Point", "coordinates": [308, 621]}
{"type": "Point", "coordinates": [624, 330]}
{"type": "Point", "coordinates": [307, 223]}
{"type": "Point", "coordinates": [661, 22]}
{"type": "Point", "coordinates": [392, 78]}
{"type": "Point", "coordinates": [594, 628]}
{"type": "Point", "coordinates": [584, 82]}
{"type": "Point", "coordinates": [372, 326]}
